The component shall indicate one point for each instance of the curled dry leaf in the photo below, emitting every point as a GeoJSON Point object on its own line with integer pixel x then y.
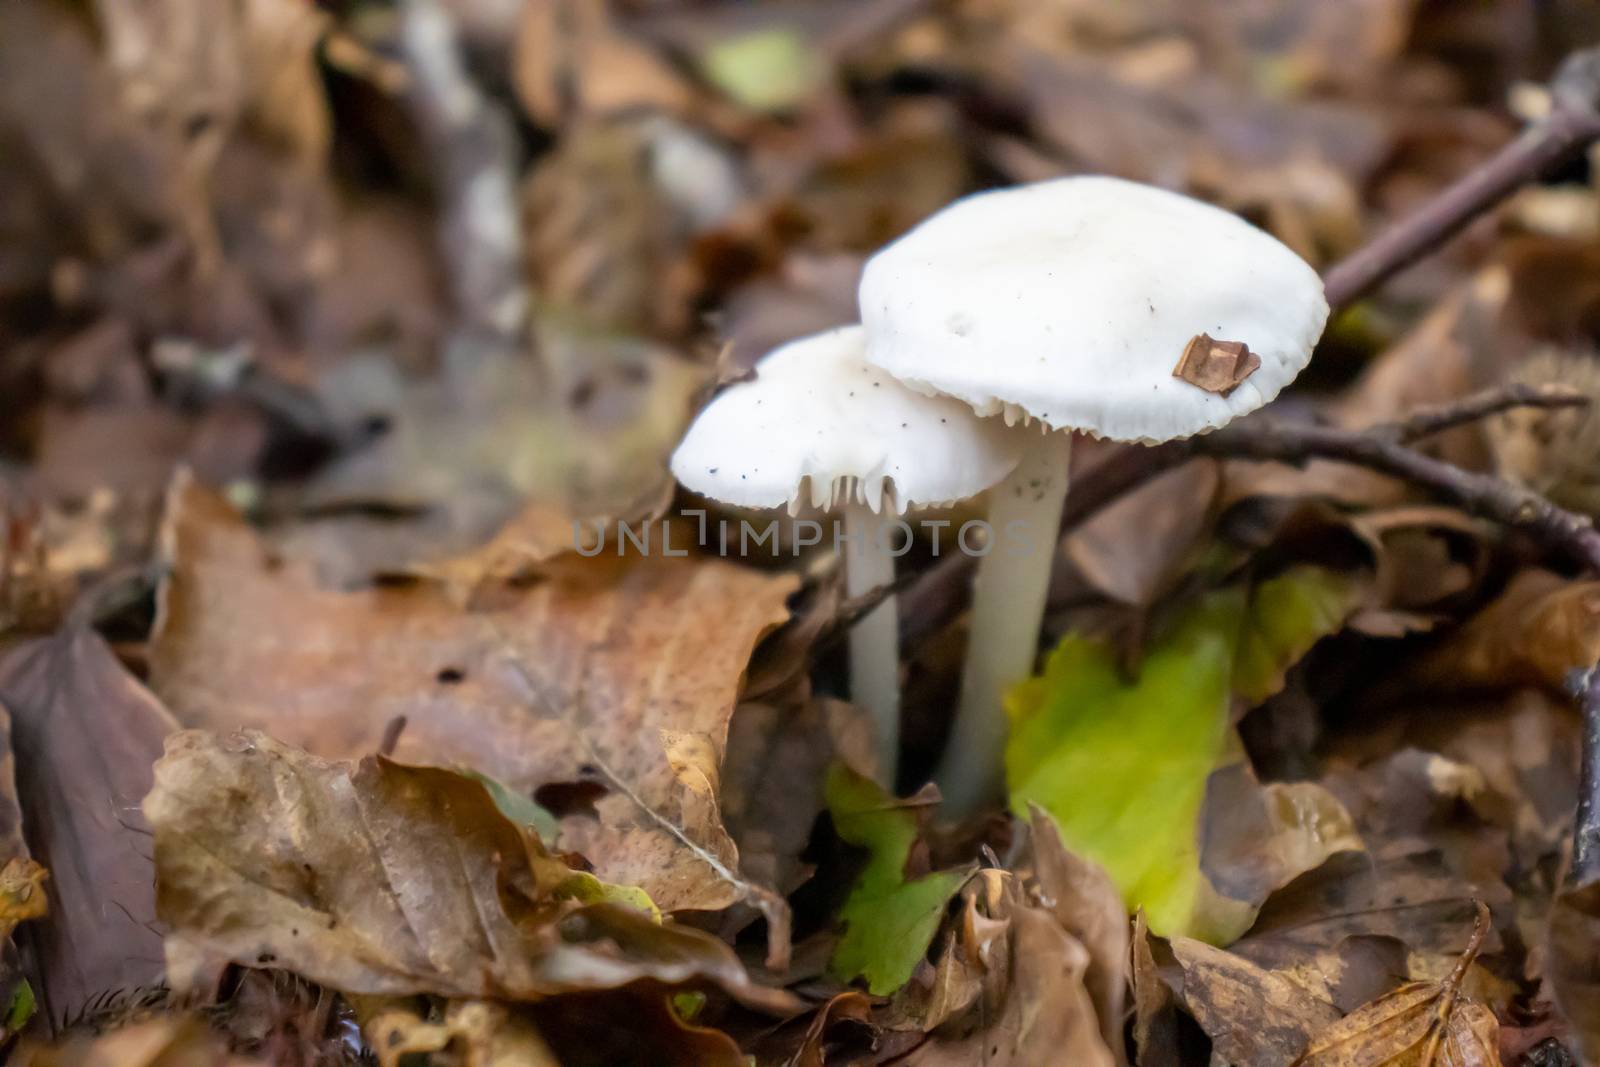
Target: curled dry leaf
{"type": "Point", "coordinates": [268, 856]}
{"type": "Point", "coordinates": [1425, 1024]}
{"type": "Point", "coordinates": [564, 684]}
{"type": "Point", "coordinates": [86, 734]}
{"type": "Point", "coordinates": [1035, 1008]}
{"type": "Point", "coordinates": [1155, 1009]}
{"type": "Point", "coordinates": [1085, 901]}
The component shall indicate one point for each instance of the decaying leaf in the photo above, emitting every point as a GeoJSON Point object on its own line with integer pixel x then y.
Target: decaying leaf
{"type": "Point", "coordinates": [1428, 1024]}
{"type": "Point", "coordinates": [483, 1034]}
{"type": "Point", "coordinates": [22, 894]}
{"type": "Point", "coordinates": [563, 684]}
{"type": "Point", "coordinates": [1362, 921]}
{"type": "Point", "coordinates": [268, 856]}
{"type": "Point", "coordinates": [1216, 366]}
{"type": "Point", "coordinates": [1122, 766]}
{"type": "Point", "coordinates": [1155, 1009]}
{"type": "Point", "coordinates": [1535, 633]}
{"type": "Point", "coordinates": [893, 909]}
{"type": "Point", "coordinates": [1138, 547]}
{"type": "Point", "coordinates": [1082, 897]}
{"type": "Point", "coordinates": [773, 779]}
{"type": "Point", "coordinates": [1570, 965]}
{"type": "Point", "coordinates": [1034, 1008]}
{"type": "Point", "coordinates": [1256, 839]}
{"type": "Point", "coordinates": [1255, 1018]}
{"type": "Point", "coordinates": [86, 734]}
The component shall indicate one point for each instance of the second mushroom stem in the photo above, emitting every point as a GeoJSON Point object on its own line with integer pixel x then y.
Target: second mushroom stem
{"type": "Point", "coordinates": [875, 638]}
{"type": "Point", "coordinates": [1008, 602]}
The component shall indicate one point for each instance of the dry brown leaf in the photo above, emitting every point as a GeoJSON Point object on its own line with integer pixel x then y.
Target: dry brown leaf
{"type": "Point", "coordinates": [972, 964]}
{"type": "Point", "coordinates": [1155, 1009]}
{"type": "Point", "coordinates": [1081, 896]}
{"type": "Point", "coordinates": [1037, 1009]}
{"type": "Point", "coordinates": [1537, 632]}
{"type": "Point", "coordinates": [587, 428]}
{"type": "Point", "coordinates": [1216, 366]}
{"type": "Point", "coordinates": [571, 59]}
{"type": "Point", "coordinates": [1570, 966]}
{"type": "Point", "coordinates": [1552, 451]}
{"type": "Point", "coordinates": [1423, 1024]}
{"type": "Point", "coordinates": [483, 1034]}
{"type": "Point", "coordinates": [268, 856]}
{"type": "Point", "coordinates": [1135, 549]}
{"type": "Point", "coordinates": [846, 1008]}
{"type": "Point", "coordinates": [778, 756]}
{"type": "Point", "coordinates": [85, 734]}
{"type": "Point", "coordinates": [603, 1029]}
{"type": "Point", "coordinates": [1401, 905]}
{"type": "Point", "coordinates": [22, 894]}
{"type": "Point", "coordinates": [564, 684]}
{"type": "Point", "coordinates": [1254, 1017]}
{"type": "Point", "coordinates": [166, 1041]}
{"type": "Point", "coordinates": [1256, 839]}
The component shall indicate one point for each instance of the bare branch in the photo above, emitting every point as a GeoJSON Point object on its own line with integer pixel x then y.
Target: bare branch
{"type": "Point", "coordinates": [1571, 126]}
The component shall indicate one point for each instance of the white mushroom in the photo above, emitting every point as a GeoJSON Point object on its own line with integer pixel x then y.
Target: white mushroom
{"type": "Point", "coordinates": [1069, 303]}
{"type": "Point", "coordinates": [818, 420]}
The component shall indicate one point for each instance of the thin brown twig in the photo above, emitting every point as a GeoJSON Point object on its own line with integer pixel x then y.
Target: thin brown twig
{"type": "Point", "coordinates": [1572, 124]}
{"type": "Point", "coordinates": [941, 592]}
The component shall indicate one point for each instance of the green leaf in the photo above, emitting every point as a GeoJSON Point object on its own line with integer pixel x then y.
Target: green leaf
{"type": "Point", "coordinates": [889, 919]}
{"type": "Point", "coordinates": [21, 1008]}
{"type": "Point", "coordinates": [1289, 614]}
{"type": "Point", "coordinates": [579, 885]}
{"type": "Point", "coordinates": [520, 809]}
{"type": "Point", "coordinates": [764, 70]}
{"type": "Point", "coordinates": [1121, 764]}
{"type": "Point", "coordinates": [587, 889]}
{"type": "Point", "coordinates": [688, 1004]}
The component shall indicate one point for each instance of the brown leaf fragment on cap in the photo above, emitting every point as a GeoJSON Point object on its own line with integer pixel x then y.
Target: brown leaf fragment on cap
{"type": "Point", "coordinates": [1216, 366]}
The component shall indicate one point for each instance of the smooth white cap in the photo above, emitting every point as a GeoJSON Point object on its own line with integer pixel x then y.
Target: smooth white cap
{"type": "Point", "coordinates": [816, 413]}
{"type": "Point", "coordinates": [1071, 301]}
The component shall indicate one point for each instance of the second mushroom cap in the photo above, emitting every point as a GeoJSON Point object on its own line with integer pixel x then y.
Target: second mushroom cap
{"type": "Point", "coordinates": [818, 413]}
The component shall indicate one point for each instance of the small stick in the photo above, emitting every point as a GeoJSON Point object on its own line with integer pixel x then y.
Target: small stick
{"type": "Point", "coordinates": [1585, 867]}
{"type": "Point", "coordinates": [940, 593]}
{"type": "Point", "coordinates": [1571, 126]}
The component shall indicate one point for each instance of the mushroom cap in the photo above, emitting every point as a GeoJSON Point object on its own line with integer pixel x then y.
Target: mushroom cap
{"type": "Point", "coordinates": [1071, 301]}
{"type": "Point", "coordinates": [817, 412]}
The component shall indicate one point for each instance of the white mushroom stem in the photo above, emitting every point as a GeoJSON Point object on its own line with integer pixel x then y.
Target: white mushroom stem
{"type": "Point", "coordinates": [1008, 601]}
{"type": "Point", "coordinates": [875, 638]}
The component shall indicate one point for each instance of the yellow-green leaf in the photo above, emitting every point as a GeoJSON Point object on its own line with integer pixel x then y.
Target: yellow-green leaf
{"type": "Point", "coordinates": [1121, 764]}
{"type": "Point", "coordinates": [1289, 614]}
{"type": "Point", "coordinates": [889, 919]}
{"type": "Point", "coordinates": [765, 70]}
